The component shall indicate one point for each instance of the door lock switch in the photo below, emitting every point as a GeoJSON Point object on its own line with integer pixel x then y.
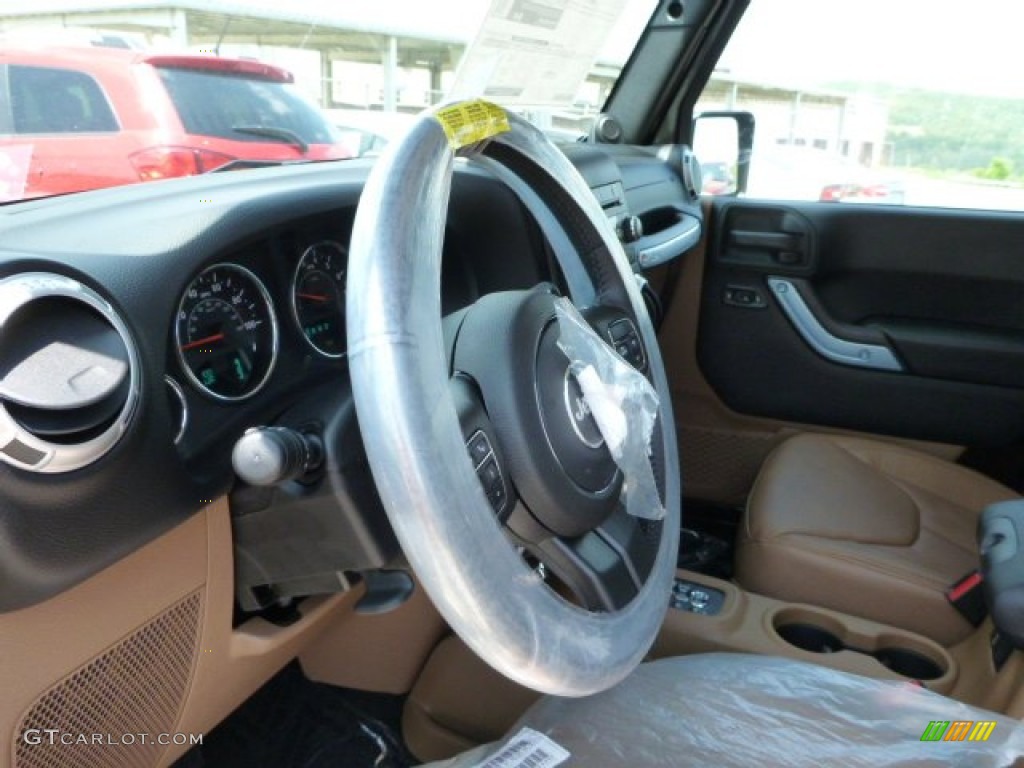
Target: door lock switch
{"type": "Point", "coordinates": [743, 296]}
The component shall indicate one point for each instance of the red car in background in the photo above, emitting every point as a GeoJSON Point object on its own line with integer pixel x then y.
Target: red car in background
{"type": "Point", "coordinates": [89, 117]}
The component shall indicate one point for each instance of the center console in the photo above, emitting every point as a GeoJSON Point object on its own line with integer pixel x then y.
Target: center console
{"type": "Point", "coordinates": [708, 614]}
{"type": "Point", "coordinates": [459, 701]}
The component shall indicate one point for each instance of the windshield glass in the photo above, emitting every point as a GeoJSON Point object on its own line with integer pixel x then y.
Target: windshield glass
{"type": "Point", "coordinates": [101, 95]}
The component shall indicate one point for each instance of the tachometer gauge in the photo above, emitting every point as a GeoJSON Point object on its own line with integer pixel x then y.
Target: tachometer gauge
{"type": "Point", "coordinates": [226, 332]}
{"type": "Point", "coordinates": [318, 297]}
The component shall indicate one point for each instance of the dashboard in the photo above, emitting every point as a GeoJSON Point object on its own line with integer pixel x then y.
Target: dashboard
{"type": "Point", "coordinates": [203, 307]}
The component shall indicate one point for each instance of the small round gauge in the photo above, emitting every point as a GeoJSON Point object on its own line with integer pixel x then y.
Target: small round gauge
{"type": "Point", "coordinates": [226, 332]}
{"type": "Point", "coordinates": [318, 297]}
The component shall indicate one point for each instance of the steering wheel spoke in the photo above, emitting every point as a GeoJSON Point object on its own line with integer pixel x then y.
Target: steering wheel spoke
{"type": "Point", "coordinates": [596, 570]}
{"type": "Point", "coordinates": [607, 567]}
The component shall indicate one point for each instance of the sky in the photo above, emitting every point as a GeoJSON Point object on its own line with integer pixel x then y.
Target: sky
{"type": "Point", "coordinates": [801, 42]}
{"type": "Point", "coordinates": [902, 41]}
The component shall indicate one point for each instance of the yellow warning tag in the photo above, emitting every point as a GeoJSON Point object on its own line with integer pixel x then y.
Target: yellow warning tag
{"type": "Point", "coordinates": [468, 122]}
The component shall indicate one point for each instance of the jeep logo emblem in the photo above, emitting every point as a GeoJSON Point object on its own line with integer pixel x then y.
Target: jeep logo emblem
{"type": "Point", "coordinates": [580, 417]}
{"type": "Point", "coordinates": [581, 409]}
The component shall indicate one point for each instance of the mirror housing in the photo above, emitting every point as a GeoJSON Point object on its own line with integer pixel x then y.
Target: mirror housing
{"type": "Point", "coordinates": [723, 142]}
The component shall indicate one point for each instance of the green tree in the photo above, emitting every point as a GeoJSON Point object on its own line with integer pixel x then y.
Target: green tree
{"type": "Point", "coordinates": [1000, 169]}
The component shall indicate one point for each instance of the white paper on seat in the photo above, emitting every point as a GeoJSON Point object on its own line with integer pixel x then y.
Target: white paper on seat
{"type": "Point", "coordinates": [527, 749]}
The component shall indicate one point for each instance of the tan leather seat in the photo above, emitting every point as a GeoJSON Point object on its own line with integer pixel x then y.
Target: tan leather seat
{"type": "Point", "coordinates": [737, 711]}
{"type": "Point", "coordinates": [867, 528]}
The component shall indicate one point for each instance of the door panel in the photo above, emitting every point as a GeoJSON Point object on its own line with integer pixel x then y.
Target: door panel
{"type": "Point", "coordinates": [721, 450]}
{"type": "Point", "coordinates": [903, 322]}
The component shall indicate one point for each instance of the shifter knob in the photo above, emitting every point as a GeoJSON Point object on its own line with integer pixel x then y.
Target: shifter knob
{"type": "Point", "coordinates": [629, 229]}
{"type": "Point", "coordinates": [273, 455]}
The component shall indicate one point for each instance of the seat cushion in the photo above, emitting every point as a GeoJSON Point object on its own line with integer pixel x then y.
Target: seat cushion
{"type": "Point", "coordinates": [867, 528]}
{"type": "Point", "coordinates": [737, 711]}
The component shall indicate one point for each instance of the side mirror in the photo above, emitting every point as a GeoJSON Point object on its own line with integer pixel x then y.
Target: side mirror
{"type": "Point", "coordinates": [723, 142]}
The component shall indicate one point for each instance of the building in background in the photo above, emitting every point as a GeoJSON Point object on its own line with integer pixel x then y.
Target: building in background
{"type": "Point", "coordinates": [339, 58]}
{"type": "Point", "coordinates": [849, 126]}
{"type": "Point", "coordinates": [343, 59]}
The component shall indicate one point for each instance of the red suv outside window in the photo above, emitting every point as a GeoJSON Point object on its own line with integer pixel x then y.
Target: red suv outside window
{"type": "Point", "coordinates": [83, 118]}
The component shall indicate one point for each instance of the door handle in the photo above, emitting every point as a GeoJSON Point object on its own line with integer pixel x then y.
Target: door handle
{"type": "Point", "coordinates": [774, 241]}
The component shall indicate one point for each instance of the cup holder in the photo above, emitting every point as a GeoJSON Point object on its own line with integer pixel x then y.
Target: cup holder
{"type": "Point", "coordinates": [801, 631]}
{"type": "Point", "coordinates": [808, 637]}
{"type": "Point", "coordinates": [908, 663]}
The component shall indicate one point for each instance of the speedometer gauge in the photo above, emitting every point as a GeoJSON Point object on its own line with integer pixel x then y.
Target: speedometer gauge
{"type": "Point", "coordinates": [318, 297]}
{"type": "Point", "coordinates": [226, 333]}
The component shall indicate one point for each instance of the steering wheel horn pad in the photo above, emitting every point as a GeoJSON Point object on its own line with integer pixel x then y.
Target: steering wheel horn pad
{"type": "Point", "coordinates": [507, 344]}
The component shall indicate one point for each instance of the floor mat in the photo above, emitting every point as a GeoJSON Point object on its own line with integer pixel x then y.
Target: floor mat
{"type": "Point", "coordinates": [294, 723]}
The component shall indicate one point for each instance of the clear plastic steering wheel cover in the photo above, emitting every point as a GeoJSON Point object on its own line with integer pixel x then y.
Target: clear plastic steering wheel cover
{"type": "Point", "coordinates": [436, 506]}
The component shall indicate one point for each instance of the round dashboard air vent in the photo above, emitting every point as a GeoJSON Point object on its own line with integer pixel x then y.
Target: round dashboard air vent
{"type": "Point", "coordinates": [69, 374]}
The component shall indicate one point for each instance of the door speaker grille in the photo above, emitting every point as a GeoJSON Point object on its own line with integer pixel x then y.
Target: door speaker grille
{"type": "Point", "coordinates": [136, 687]}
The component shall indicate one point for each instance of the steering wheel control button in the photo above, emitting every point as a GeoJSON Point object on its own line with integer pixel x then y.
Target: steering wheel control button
{"type": "Point", "coordinates": [496, 495]}
{"type": "Point", "coordinates": [626, 341]}
{"type": "Point", "coordinates": [479, 448]}
{"type": "Point", "coordinates": [696, 598]}
{"type": "Point", "coordinates": [489, 474]}
{"type": "Point", "coordinates": [487, 470]}
{"type": "Point", "coordinates": [620, 329]}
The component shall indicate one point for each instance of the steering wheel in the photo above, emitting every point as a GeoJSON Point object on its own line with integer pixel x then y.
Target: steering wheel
{"type": "Point", "coordinates": [495, 477]}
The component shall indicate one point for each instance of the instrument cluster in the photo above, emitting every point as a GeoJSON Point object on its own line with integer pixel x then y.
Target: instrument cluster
{"type": "Point", "coordinates": [228, 327]}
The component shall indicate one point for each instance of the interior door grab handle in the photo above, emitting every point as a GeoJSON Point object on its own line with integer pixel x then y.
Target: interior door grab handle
{"type": "Point", "coordinates": [652, 250]}
{"type": "Point", "coordinates": [823, 341]}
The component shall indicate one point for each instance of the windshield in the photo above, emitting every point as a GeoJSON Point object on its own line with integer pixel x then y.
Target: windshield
{"type": "Point", "coordinates": [103, 95]}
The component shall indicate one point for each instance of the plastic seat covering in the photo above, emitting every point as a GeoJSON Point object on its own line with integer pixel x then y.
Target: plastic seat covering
{"type": "Point", "coordinates": [726, 710]}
